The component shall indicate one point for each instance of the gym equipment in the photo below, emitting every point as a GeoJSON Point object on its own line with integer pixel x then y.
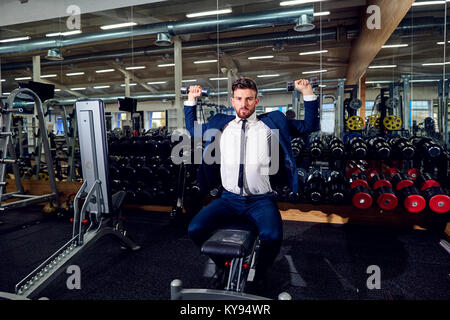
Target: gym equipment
{"type": "Point", "coordinates": [428, 147]}
{"type": "Point", "coordinates": [379, 180]}
{"type": "Point", "coordinates": [7, 147]}
{"type": "Point", "coordinates": [100, 213]}
{"type": "Point", "coordinates": [298, 145]}
{"type": "Point", "coordinates": [355, 123]}
{"type": "Point", "coordinates": [402, 148]}
{"type": "Point", "coordinates": [401, 180]}
{"type": "Point", "coordinates": [386, 198]}
{"type": "Point", "coordinates": [379, 147]}
{"type": "Point", "coordinates": [412, 200]}
{"type": "Point", "coordinates": [337, 187]}
{"type": "Point", "coordinates": [392, 122]}
{"type": "Point", "coordinates": [316, 148]}
{"type": "Point", "coordinates": [437, 199]}
{"type": "Point", "coordinates": [358, 148]}
{"type": "Point", "coordinates": [374, 121]}
{"type": "Point", "coordinates": [315, 189]}
{"type": "Point", "coordinates": [425, 181]}
{"type": "Point", "coordinates": [361, 197]}
{"type": "Point", "coordinates": [337, 148]}
{"type": "Point", "coordinates": [353, 104]}
{"type": "Point", "coordinates": [205, 91]}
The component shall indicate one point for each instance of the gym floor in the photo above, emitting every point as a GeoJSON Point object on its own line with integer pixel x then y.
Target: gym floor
{"type": "Point", "coordinates": [317, 261]}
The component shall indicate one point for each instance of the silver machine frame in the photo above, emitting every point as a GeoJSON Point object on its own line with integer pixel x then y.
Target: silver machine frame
{"type": "Point", "coordinates": [7, 147]}
{"type": "Point", "coordinates": [97, 205]}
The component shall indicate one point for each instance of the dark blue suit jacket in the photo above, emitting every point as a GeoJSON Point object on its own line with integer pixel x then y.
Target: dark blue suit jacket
{"type": "Point", "coordinates": [209, 174]}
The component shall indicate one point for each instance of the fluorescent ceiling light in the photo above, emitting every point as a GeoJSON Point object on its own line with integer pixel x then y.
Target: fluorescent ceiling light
{"type": "Point", "coordinates": [260, 57]}
{"type": "Point", "coordinates": [313, 52]}
{"type": "Point", "coordinates": [382, 67]}
{"type": "Point", "coordinates": [268, 75]}
{"type": "Point", "coordinates": [6, 93]}
{"type": "Point", "coordinates": [118, 25]}
{"type": "Point", "coordinates": [15, 39]}
{"type": "Point", "coordinates": [157, 82]}
{"type": "Point", "coordinates": [442, 42]}
{"type": "Point", "coordinates": [135, 68]}
{"type": "Point", "coordinates": [323, 13]}
{"type": "Point", "coordinates": [102, 87]}
{"type": "Point", "coordinates": [435, 64]}
{"type": "Point", "coordinates": [49, 76]}
{"type": "Point", "coordinates": [205, 61]}
{"type": "Point", "coordinates": [3, 80]}
{"type": "Point", "coordinates": [66, 33]}
{"type": "Point", "coordinates": [23, 78]}
{"type": "Point", "coordinates": [427, 3]}
{"type": "Point", "coordinates": [131, 84]}
{"type": "Point", "coordinates": [208, 13]}
{"type": "Point", "coordinates": [57, 90]}
{"type": "Point", "coordinates": [316, 71]}
{"type": "Point", "coordinates": [77, 89]}
{"type": "Point", "coordinates": [424, 80]}
{"type": "Point", "coordinates": [166, 65]}
{"type": "Point", "coordinates": [379, 81]}
{"type": "Point", "coordinates": [104, 70]}
{"type": "Point", "coordinates": [294, 2]}
{"type": "Point", "coordinates": [74, 74]}
{"type": "Point", "coordinates": [192, 80]}
{"type": "Point", "coordinates": [394, 46]}
{"type": "Point", "coordinates": [218, 79]}
{"type": "Point", "coordinates": [322, 85]}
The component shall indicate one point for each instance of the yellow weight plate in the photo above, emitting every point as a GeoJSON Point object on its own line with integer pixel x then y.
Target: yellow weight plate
{"type": "Point", "coordinates": [355, 123]}
{"type": "Point", "coordinates": [392, 122]}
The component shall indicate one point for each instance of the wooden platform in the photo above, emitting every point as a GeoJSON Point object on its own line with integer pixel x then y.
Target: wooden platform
{"type": "Point", "coordinates": [292, 212]}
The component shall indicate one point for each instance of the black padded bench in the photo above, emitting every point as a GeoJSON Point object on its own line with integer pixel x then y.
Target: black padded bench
{"type": "Point", "coordinates": [231, 243]}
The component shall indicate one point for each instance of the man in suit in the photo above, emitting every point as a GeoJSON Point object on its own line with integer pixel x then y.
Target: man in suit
{"type": "Point", "coordinates": [243, 144]}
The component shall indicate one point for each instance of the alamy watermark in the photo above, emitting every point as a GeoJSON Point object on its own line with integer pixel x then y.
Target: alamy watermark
{"type": "Point", "coordinates": [374, 280]}
{"type": "Point", "coordinates": [74, 279]}
{"type": "Point", "coordinates": [73, 22]}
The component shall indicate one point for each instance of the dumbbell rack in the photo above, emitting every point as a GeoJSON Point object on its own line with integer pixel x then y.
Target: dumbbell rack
{"type": "Point", "coordinates": [6, 146]}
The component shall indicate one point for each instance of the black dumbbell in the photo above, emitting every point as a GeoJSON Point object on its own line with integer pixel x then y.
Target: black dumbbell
{"type": "Point", "coordinates": [402, 147]}
{"type": "Point", "coordinates": [337, 147]}
{"type": "Point", "coordinates": [315, 187]}
{"type": "Point", "coordinates": [379, 147]}
{"type": "Point", "coordinates": [298, 145]}
{"type": "Point", "coordinates": [316, 147]}
{"type": "Point", "coordinates": [205, 91]}
{"type": "Point", "coordinates": [358, 148]}
{"type": "Point", "coordinates": [337, 187]}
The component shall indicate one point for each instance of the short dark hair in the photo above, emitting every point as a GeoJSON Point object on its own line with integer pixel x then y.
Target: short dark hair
{"type": "Point", "coordinates": [244, 83]}
{"type": "Point", "coordinates": [290, 114]}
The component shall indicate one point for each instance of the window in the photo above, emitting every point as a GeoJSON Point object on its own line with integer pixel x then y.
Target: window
{"type": "Point", "coordinates": [327, 118]}
{"type": "Point", "coordinates": [156, 119]}
{"type": "Point", "coordinates": [420, 109]}
{"type": "Point", "coordinates": [282, 109]}
{"type": "Point", "coordinates": [59, 126]}
{"type": "Point", "coordinates": [369, 109]}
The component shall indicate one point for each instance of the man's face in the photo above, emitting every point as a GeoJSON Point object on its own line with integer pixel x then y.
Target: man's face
{"type": "Point", "coordinates": [244, 102]}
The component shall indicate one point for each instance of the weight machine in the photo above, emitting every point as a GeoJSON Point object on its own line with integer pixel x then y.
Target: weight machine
{"type": "Point", "coordinates": [100, 213]}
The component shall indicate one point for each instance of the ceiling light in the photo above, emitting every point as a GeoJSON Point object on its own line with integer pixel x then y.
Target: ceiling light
{"type": "Point", "coordinates": [218, 79]}
{"type": "Point", "coordinates": [104, 70]}
{"type": "Point", "coordinates": [131, 84]}
{"type": "Point", "coordinates": [157, 82]}
{"type": "Point", "coordinates": [304, 23]}
{"type": "Point", "coordinates": [423, 80]}
{"type": "Point", "coordinates": [15, 39]}
{"type": "Point", "coordinates": [57, 90]}
{"type": "Point", "coordinates": [135, 68]}
{"type": "Point", "coordinates": [54, 54]}
{"type": "Point", "coordinates": [66, 33]}
{"type": "Point", "coordinates": [394, 46]}
{"type": "Point", "coordinates": [382, 67]}
{"type": "Point", "coordinates": [77, 89]}
{"type": "Point", "coordinates": [163, 39]}
{"type": "Point", "coordinates": [166, 65]}
{"type": "Point", "coordinates": [22, 78]}
{"type": "Point", "coordinates": [435, 64]}
{"type": "Point", "coordinates": [379, 81]}
{"type": "Point", "coordinates": [322, 85]}
{"type": "Point", "coordinates": [49, 76]}
{"type": "Point", "coordinates": [208, 13]}
{"type": "Point", "coordinates": [3, 80]}
{"type": "Point", "coordinates": [427, 3]}
{"type": "Point", "coordinates": [268, 75]}
{"type": "Point", "coordinates": [192, 80]}
{"type": "Point", "coordinates": [323, 13]}
{"type": "Point", "coordinates": [205, 61]}
{"type": "Point", "coordinates": [74, 74]}
{"type": "Point", "coordinates": [294, 2]}
{"type": "Point", "coordinates": [118, 25]}
{"type": "Point", "coordinates": [6, 93]}
{"type": "Point", "coordinates": [260, 57]}
{"type": "Point", "coordinates": [316, 71]}
{"type": "Point", "coordinates": [313, 52]}
{"type": "Point", "coordinates": [102, 87]}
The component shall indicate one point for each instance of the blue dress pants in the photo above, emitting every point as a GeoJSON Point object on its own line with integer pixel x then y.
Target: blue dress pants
{"type": "Point", "coordinates": [262, 210]}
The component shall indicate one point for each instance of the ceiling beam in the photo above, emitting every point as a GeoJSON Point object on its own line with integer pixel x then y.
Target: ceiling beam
{"type": "Point", "coordinates": [370, 41]}
{"type": "Point", "coordinates": [132, 77]}
{"type": "Point", "coordinates": [63, 87]}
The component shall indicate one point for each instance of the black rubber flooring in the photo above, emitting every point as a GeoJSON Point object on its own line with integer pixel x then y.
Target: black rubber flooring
{"type": "Point", "coordinates": [317, 261]}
